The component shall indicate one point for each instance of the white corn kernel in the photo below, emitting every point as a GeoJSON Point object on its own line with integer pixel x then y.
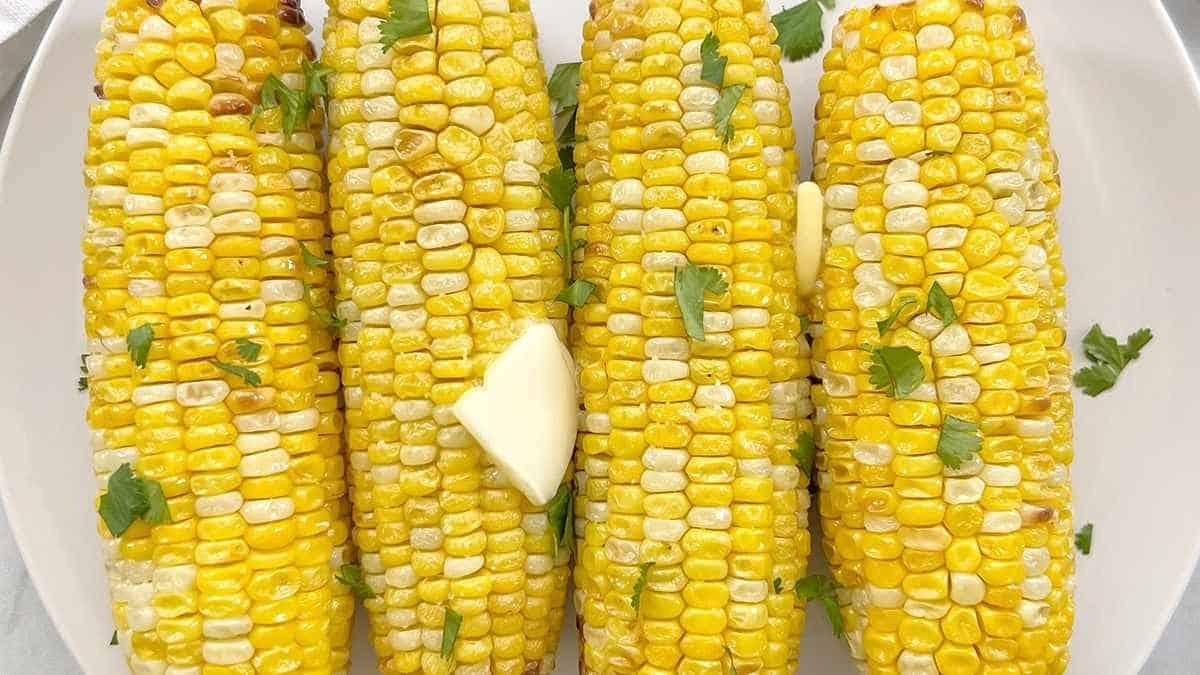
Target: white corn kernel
{"type": "Point", "coordinates": [441, 235]}
{"type": "Point", "coordinates": [656, 220]}
{"type": "Point", "coordinates": [714, 395]}
{"type": "Point", "coordinates": [869, 247]}
{"type": "Point", "coordinates": [520, 173]}
{"type": "Point", "coordinates": [903, 113]}
{"type": "Point", "coordinates": [223, 504]}
{"type": "Point", "coordinates": [718, 322]}
{"type": "Point", "coordinates": [667, 348]}
{"type": "Point", "coordinates": [408, 319]}
{"type": "Point", "coordinates": [201, 393]}
{"type": "Point", "coordinates": [1000, 522]}
{"type": "Point", "coordinates": [663, 261]}
{"type": "Point", "coordinates": [663, 481]}
{"type": "Point", "coordinates": [627, 192]}
{"type": "Point", "coordinates": [628, 221]}
{"type": "Point", "coordinates": [873, 454]}
{"type": "Point", "coordinates": [259, 511]}
{"type": "Point", "coordinates": [963, 490]}
{"type": "Point", "coordinates": [1033, 614]}
{"type": "Point", "coordinates": [621, 323]}
{"type": "Point", "coordinates": [266, 463]}
{"type": "Point", "coordinates": [934, 36]}
{"type": "Point", "coordinates": [529, 151]}
{"type": "Point", "coordinates": [153, 393]}
{"type": "Point", "coordinates": [1035, 428]}
{"type": "Point", "coordinates": [932, 610]}
{"type": "Point", "coordinates": [872, 103]}
{"type": "Point", "coordinates": [916, 663]}
{"type": "Point", "coordinates": [143, 205]}
{"type": "Point", "coordinates": [952, 341]}
{"type": "Point", "coordinates": [249, 444]}
{"type": "Point", "coordinates": [785, 477]}
{"type": "Point", "coordinates": [298, 421]}
{"type": "Point", "coordinates": [1037, 561]}
{"type": "Point", "coordinates": [936, 538]}
{"type": "Point", "coordinates": [662, 370]}
{"type": "Point", "coordinates": [966, 588]}
{"type": "Point", "coordinates": [698, 98]}
{"type": "Point", "coordinates": [1003, 183]}
{"type": "Point", "coordinates": [907, 220]}
{"type": "Point", "coordinates": [708, 161]}
{"type": "Point", "coordinates": [909, 193]}
{"type": "Point", "coordinates": [441, 211]}
{"type": "Point", "coordinates": [840, 385]}
{"type": "Point", "coordinates": [238, 222]}
{"type": "Point", "coordinates": [138, 138]}
{"type": "Point", "coordinates": [226, 652]}
{"type": "Point", "coordinates": [963, 389]}
{"type": "Point", "coordinates": [659, 529]}
{"type": "Point", "coordinates": [478, 119]}
{"type": "Point", "coordinates": [710, 517]}
{"type": "Point", "coordinates": [231, 627]}
{"type": "Point", "coordinates": [996, 475]}
{"type": "Point", "coordinates": [746, 590]}
{"type": "Point", "coordinates": [842, 197]}
{"type": "Point", "coordinates": [942, 238]}
{"type": "Point", "coordinates": [417, 455]}
{"type": "Point", "coordinates": [873, 294]}
{"type": "Point", "coordinates": [1036, 588]}
{"type": "Point", "coordinates": [895, 68]}
{"type": "Point", "coordinates": [263, 420]}
{"type": "Point", "coordinates": [884, 598]}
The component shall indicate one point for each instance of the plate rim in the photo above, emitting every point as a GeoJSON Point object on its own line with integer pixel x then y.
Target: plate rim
{"type": "Point", "coordinates": [1174, 48]}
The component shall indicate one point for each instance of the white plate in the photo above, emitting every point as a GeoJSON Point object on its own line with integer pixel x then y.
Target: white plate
{"type": "Point", "coordinates": [1126, 107]}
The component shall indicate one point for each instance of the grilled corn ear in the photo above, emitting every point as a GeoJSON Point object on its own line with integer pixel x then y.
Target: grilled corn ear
{"type": "Point", "coordinates": [933, 149]}
{"type": "Point", "coordinates": [691, 511]}
{"type": "Point", "coordinates": [444, 252]}
{"type": "Point", "coordinates": [196, 214]}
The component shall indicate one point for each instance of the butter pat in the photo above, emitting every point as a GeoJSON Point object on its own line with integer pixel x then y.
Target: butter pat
{"type": "Point", "coordinates": [524, 415]}
{"type": "Point", "coordinates": [810, 220]}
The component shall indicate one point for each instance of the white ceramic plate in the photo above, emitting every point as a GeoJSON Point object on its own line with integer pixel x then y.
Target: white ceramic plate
{"type": "Point", "coordinates": [1126, 107]}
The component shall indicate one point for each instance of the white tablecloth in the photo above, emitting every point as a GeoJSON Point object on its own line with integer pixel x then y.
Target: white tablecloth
{"type": "Point", "coordinates": [29, 643]}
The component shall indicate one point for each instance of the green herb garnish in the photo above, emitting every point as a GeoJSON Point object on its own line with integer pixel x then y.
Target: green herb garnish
{"type": "Point", "coordinates": [691, 281]}
{"type": "Point", "coordinates": [352, 576]}
{"type": "Point", "coordinates": [886, 325]}
{"type": "Point", "coordinates": [248, 349]}
{"type": "Point", "coordinates": [311, 259]}
{"type": "Point", "coordinates": [558, 184]}
{"type": "Point", "coordinates": [560, 511]}
{"type": "Point", "coordinates": [1108, 358]}
{"type": "Point", "coordinates": [822, 588]}
{"type": "Point", "coordinates": [712, 64]}
{"type": "Point", "coordinates": [799, 27]}
{"type": "Point", "coordinates": [406, 18]}
{"type": "Point", "coordinates": [129, 498]}
{"type": "Point", "coordinates": [635, 600]}
{"type": "Point", "coordinates": [82, 383]}
{"type": "Point", "coordinates": [332, 322]}
{"type": "Point", "coordinates": [577, 293]}
{"type": "Point", "coordinates": [1083, 539]}
{"type": "Point", "coordinates": [138, 343]}
{"type": "Point", "coordinates": [450, 632]}
{"type": "Point", "coordinates": [805, 452]}
{"type": "Point", "coordinates": [959, 441]}
{"type": "Point", "coordinates": [940, 305]}
{"type": "Point", "coordinates": [777, 584]}
{"type": "Point", "coordinates": [723, 111]}
{"type": "Point", "coordinates": [248, 376]}
{"type": "Point", "coordinates": [113, 641]}
{"type": "Point", "coordinates": [897, 371]}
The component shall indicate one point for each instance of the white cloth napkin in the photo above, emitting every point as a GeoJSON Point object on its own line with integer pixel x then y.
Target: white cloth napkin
{"type": "Point", "coordinates": [21, 25]}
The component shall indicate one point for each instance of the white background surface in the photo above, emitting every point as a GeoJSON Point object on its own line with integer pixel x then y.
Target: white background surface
{"type": "Point", "coordinates": [30, 645]}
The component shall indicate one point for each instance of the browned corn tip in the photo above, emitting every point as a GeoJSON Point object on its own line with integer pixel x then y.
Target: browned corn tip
{"type": "Point", "coordinates": [974, 4]}
{"type": "Point", "coordinates": [1033, 515]}
{"type": "Point", "coordinates": [1020, 21]}
{"type": "Point", "coordinates": [154, 3]}
{"type": "Point", "coordinates": [98, 90]}
{"type": "Point", "coordinates": [592, 9]}
{"type": "Point", "coordinates": [89, 281]}
{"type": "Point", "coordinates": [532, 668]}
{"type": "Point", "coordinates": [291, 15]}
{"type": "Point", "coordinates": [230, 104]}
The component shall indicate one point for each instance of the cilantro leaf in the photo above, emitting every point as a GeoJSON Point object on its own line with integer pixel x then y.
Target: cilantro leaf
{"type": "Point", "coordinates": [691, 281]}
{"type": "Point", "coordinates": [732, 666]}
{"type": "Point", "coordinates": [565, 136]}
{"type": "Point", "coordinates": [316, 76]}
{"type": "Point", "coordinates": [712, 64]}
{"type": "Point", "coordinates": [777, 584]}
{"type": "Point", "coordinates": [723, 111]}
{"type": "Point", "coordinates": [940, 305]}
{"type": "Point", "coordinates": [563, 86]}
{"type": "Point", "coordinates": [248, 349]}
{"type": "Point", "coordinates": [1108, 357]}
{"type": "Point", "coordinates": [450, 632]}
{"type": "Point", "coordinates": [1083, 539]}
{"type": "Point", "coordinates": [635, 600]}
{"type": "Point", "coordinates": [1095, 380]}
{"type": "Point", "coordinates": [560, 512]}
{"type": "Point", "coordinates": [897, 371]}
{"type": "Point", "coordinates": [406, 18]}
{"type": "Point", "coordinates": [248, 376]}
{"type": "Point", "coordinates": [352, 576]}
{"type": "Point", "coordinates": [294, 105]}
{"type": "Point", "coordinates": [958, 442]}
{"type": "Point", "coordinates": [138, 342]}
{"type": "Point", "coordinates": [113, 640]}
{"type": "Point", "coordinates": [332, 322]}
{"type": "Point", "coordinates": [311, 259]}
{"type": "Point", "coordinates": [799, 28]}
{"type": "Point", "coordinates": [577, 293]}
{"type": "Point", "coordinates": [82, 383]}
{"type": "Point", "coordinates": [558, 184]}
{"type": "Point", "coordinates": [886, 325]}
{"type": "Point", "coordinates": [128, 498]}
{"type": "Point", "coordinates": [805, 452]}
{"type": "Point", "coordinates": [823, 589]}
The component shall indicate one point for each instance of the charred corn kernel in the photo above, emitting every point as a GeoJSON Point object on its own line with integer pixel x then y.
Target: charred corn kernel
{"type": "Point", "coordinates": [683, 457]}
{"type": "Point", "coordinates": [957, 186]}
{"type": "Point", "coordinates": [194, 220]}
{"type": "Point", "coordinates": [443, 252]}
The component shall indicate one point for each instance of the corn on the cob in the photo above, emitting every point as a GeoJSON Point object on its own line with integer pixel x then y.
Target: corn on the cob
{"type": "Point", "coordinates": [444, 250]}
{"type": "Point", "coordinates": [684, 457]}
{"type": "Point", "coordinates": [196, 212]}
{"type": "Point", "coordinates": [933, 149]}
